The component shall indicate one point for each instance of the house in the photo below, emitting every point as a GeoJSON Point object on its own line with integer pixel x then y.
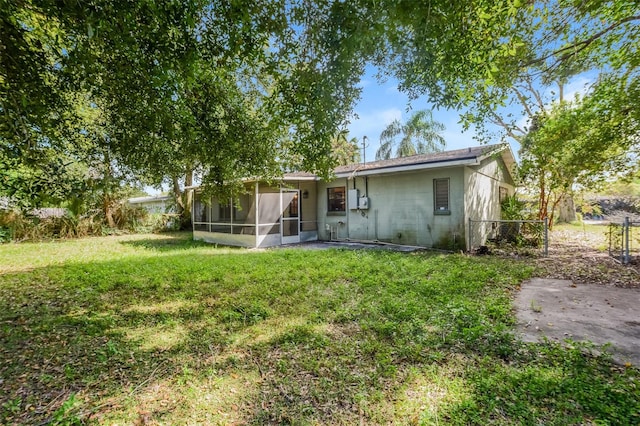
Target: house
{"type": "Point", "coordinates": [154, 203]}
{"type": "Point", "coordinates": [423, 200]}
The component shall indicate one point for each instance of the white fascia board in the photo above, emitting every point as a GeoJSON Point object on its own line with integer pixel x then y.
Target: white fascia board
{"type": "Point", "coordinates": [409, 168]}
{"type": "Point", "coordinates": [255, 180]}
{"type": "Point", "coordinates": [305, 178]}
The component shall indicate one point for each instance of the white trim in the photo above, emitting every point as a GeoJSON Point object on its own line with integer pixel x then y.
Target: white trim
{"type": "Point", "coordinates": [257, 212]}
{"type": "Point", "coordinates": [292, 238]}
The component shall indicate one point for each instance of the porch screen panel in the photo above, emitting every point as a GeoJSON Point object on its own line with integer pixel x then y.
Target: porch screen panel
{"type": "Point", "coordinates": [244, 215]}
{"type": "Point", "coordinates": [220, 216]}
{"type": "Point", "coordinates": [309, 225]}
{"type": "Point", "coordinates": [269, 213]}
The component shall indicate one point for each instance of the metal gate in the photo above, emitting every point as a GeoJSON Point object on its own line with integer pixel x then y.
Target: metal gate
{"type": "Point", "coordinates": [624, 241]}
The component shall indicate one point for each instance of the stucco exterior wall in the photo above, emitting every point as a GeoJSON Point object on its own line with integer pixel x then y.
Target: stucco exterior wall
{"type": "Point", "coordinates": [401, 209]}
{"type": "Point", "coordinates": [482, 198]}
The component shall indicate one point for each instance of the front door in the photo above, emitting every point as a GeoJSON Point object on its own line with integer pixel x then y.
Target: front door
{"type": "Point", "coordinates": [290, 220]}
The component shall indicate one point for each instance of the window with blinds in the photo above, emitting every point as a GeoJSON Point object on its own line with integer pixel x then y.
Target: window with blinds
{"type": "Point", "coordinates": [441, 195]}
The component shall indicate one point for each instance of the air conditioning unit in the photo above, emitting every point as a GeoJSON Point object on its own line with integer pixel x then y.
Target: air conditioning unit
{"type": "Point", "coordinates": [363, 203]}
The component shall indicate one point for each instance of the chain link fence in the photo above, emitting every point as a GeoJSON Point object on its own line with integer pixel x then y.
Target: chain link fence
{"type": "Point", "coordinates": [624, 241]}
{"type": "Point", "coordinates": [519, 236]}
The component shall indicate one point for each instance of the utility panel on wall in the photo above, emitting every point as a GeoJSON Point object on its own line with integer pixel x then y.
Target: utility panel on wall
{"type": "Point", "coordinates": [363, 203]}
{"type": "Point", "coordinates": [352, 198]}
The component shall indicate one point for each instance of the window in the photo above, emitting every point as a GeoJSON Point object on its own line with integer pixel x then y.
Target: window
{"type": "Point", "coordinates": [503, 194]}
{"type": "Point", "coordinates": [441, 196]}
{"type": "Point", "coordinates": [336, 199]}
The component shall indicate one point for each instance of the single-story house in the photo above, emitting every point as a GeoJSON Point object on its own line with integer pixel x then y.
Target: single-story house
{"type": "Point", "coordinates": [154, 203]}
{"type": "Point", "coordinates": [422, 200]}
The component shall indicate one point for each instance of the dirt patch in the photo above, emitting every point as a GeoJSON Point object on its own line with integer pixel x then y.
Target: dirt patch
{"type": "Point", "coordinates": [561, 309]}
{"type": "Point", "coordinates": [580, 255]}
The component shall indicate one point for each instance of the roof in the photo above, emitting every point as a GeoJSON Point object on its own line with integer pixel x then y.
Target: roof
{"type": "Point", "coordinates": [149, 199]}
{"type": "Point", "coordinates": [299, 176]}
{"type": "Point", "coordinates": [458, 157]}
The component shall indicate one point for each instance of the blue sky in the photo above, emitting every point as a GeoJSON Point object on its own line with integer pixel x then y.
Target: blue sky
{"type": "Point", "coordinates": [381, 103]}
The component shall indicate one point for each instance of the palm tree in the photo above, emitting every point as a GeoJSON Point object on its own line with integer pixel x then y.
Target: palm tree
{"type": "Point", "coordinates": [419, 135]}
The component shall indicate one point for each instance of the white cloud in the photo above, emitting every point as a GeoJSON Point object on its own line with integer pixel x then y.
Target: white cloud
{"type": "Point", "coordinates": [579, 86]}
{"type": "Point", "coordinates": [364, 83]}
{"type": "Point", "coordinates": [371, 124]}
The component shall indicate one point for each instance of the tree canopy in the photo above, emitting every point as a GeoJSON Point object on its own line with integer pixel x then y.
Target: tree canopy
{"type": "Point", "coordinates": [227, 90]}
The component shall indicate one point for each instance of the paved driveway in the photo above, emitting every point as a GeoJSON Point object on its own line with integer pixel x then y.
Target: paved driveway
{"type": "Point", "coordinates": [560, 309]}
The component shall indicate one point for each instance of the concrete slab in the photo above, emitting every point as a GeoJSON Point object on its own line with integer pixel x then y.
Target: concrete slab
{"type": "Point", "coordinates": [560, 309]}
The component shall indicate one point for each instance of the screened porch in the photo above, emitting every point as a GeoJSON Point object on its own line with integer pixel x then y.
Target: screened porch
{"type": "Point", "coordinates": [264, 216]}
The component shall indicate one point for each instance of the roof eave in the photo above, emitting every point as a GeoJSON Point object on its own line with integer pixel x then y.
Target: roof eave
{"type": "Point", "coordinates": [473, 161]}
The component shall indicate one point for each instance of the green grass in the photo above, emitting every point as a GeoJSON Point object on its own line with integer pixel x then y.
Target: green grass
{"type": "Point", "coordinates": [163, 330]}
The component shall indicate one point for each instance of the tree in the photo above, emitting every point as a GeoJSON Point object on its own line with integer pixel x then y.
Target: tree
{"type": "Point", "coordinates": [345, 150]}
{"type": "Point", "coordinates": [596, 41]}
{"type": "Point", "coordinates": [291, 68]}
{"type": "Point", "coordinates": [229, 90]}
{"type": "Point", "coordinates": [419, 135]}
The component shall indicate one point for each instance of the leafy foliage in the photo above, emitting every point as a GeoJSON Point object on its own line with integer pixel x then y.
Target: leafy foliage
{"type": "Point", "coordinates": [345, 150]}
{"type": "Point", "coordinates": [419, 135]}
{"type": "Point", "coordinates": [227, 90]}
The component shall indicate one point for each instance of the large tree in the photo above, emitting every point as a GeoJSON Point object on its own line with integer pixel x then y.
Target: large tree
{"type": "Point", "coordinates": [233, 89]}
{"type": "Point", "coordinates": [421, 134]}
{"type": "Point", "coordinates": [568, 142]}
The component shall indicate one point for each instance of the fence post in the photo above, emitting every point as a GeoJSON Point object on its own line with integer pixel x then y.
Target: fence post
{"type": "Point", "coordinates": [546, 236]}
{"type": "Point", "coordinates": [625, 241]}
{"type": "Point", "coordinates": [470, 237]}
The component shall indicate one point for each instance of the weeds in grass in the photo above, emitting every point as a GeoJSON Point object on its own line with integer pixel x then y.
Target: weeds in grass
{"type": "Point", "coordinates": [535, 307]}
{"type": "Point", "coordinates": [162, 329]}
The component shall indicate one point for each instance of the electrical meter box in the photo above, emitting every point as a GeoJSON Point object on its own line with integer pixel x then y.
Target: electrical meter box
{"type": "Point", "coordinates": [363, 203]}
{"type": "Point", "coordinates": [352, 198]}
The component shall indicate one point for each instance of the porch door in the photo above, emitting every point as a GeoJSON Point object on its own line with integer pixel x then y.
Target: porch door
{"type": "Point", "coordinates": [290, 219]}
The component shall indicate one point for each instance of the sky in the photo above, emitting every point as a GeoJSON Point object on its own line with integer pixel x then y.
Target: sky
{"type": "Point", "coordinates": [381, 103]}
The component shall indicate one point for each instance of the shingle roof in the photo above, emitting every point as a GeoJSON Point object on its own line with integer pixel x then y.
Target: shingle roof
{"type": "Point", "coordinates": [298, 175]}
{"type": "Point", "coordinates": [471, 153]}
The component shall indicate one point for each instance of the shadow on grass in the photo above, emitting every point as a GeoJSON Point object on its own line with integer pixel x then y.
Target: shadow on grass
{"type": "Point", "coordinates": [169, 242]}
{"type": "Point", "coordinates": [278, 338]}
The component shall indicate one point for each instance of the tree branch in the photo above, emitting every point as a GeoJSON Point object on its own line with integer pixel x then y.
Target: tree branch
{"type": "Point", "coordinates": [510, 129]}
{"type": "Point", "coordinates": [581, 45]}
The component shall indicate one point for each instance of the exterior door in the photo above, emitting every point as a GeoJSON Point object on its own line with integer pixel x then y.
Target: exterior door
{"type": "Point", "coordinates": [290, 219]}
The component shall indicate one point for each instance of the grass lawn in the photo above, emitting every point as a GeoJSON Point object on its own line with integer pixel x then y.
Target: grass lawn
{"type": "Point", "coordinates": [158, 329]}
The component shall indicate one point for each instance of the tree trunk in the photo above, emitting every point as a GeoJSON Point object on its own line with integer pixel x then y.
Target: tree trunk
{"type": "Point", "coordinates": [107, 208]}
{"type": "Point", "coordinates": [566, 209]}
{"type": "Point", "coordinates": [177, 193]}
{"type": "Point", "coordinates": [187, 198]}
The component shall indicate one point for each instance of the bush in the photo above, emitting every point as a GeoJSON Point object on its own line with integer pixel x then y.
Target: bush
{"type": "Point", "coordinates": [19, 226]}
